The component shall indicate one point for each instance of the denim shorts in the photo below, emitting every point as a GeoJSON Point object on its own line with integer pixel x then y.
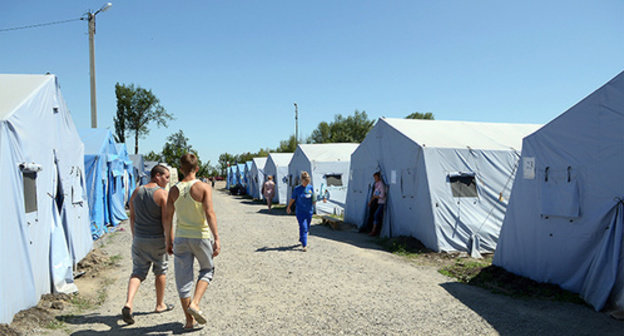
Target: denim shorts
{"type": "Point", "coordinates": [185, 251]}
{"type": "Point", "coordinates": [147, 252]}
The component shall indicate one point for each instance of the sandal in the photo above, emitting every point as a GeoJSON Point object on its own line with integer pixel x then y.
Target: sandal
{"type": "Point", "coordinates": [197, 314]}
{"type": "Point", "coordinates": [126, 315]}
{"type": "Point", "coordinates": [196, 326]}
{"type": "Point", "coordinates": [168, 308]}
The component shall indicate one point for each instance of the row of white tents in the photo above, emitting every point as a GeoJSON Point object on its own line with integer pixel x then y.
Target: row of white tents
{"type": "Point", "coordinates": [328, 165]}
{"type": "Point", "coordinates": [453, 186]}
{"type": "Point", "coordinates": [64, 188]}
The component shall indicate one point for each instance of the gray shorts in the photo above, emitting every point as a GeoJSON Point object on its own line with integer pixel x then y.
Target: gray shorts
{"type": "Point", "coordinates": [185, 251]}
{"type": "Point", "coordinates": [147, 252]}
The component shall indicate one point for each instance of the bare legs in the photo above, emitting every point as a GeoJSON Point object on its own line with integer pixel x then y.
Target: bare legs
{"type": "Point", "coordinates": [161, 281]}
{"type": "Point", "coordinates": [133, 287]}
{"type": "Point", "coordinates": [200, 289]}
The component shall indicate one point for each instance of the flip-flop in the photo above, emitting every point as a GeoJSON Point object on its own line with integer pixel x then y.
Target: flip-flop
{"type": "Point", "coordinates": [168, 308]}
{"type": "Point", "coordinates": [197, 314]}
{"type": "Point", "coordinates": [196, 326]}
{"type": "Point", "coordinates": [126, 315]}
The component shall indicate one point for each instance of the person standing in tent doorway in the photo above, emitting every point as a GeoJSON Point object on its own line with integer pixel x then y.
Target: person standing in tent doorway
{"type": "Point", "coordinates": [149, 235]}
{"type": "Point", "coordinates": [196, 237]}
{"type": "Point", "coordinates": [268, 191]}
{"type": "Point", "coordinates": [379, 194]}
{"type": "Point", "coordinates": [305, 199]}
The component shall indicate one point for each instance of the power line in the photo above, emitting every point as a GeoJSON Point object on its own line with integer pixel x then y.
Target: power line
{"type": "Point", "coordinates": [39, 25]}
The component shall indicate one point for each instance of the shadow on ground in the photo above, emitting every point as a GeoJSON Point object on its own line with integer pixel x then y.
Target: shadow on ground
{"type": "Point", "coordinates": [349, 236]}
{"type": "Point", "coordinates": [279, 249]}
{"type": "Point", "coordinates": [118, 327]}
{"type": "Point", "coordinates": [275, 212]}
{"type": "Point", "coordinates": [252, 202]}
{"type": "Point", "coordinates": [533, 316]}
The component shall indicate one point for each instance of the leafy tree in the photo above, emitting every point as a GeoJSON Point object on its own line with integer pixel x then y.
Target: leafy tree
{"type": "Point", "coordinates": [177, 145]}
{"type": "Point", "coordinates": [225, 160]}
{"type": "Point", "coordinates": [418, 115]}
{"type": "Point", "coordinates": [136, 109]}
{"type": "Point", "coordinates": [263, 152]}
{"type": "Point", "coordinates": [287, 146]}
{"type": "Point", "coordinates": [242, 158]}
{"type": "Point", "coordinates": [124, 101]}
{"type": "Point", "coordinates": [152, 156]}
{"type": "Point", "coordinates": [350, 129]}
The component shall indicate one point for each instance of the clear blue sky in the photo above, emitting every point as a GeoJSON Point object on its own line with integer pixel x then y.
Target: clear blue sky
{"type": "Point", "coordinates": [230, 70]}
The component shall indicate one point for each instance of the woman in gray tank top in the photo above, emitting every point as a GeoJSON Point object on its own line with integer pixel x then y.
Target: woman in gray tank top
{"type": "Point", "coordinates": [147, 206]}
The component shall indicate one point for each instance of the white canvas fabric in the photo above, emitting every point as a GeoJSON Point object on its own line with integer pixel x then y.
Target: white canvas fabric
{"type": "Point", "coordinates": [277, 166]}
{"type": "Point", "coordinates": [325, 163]}
{"type": "Point", "coordinates": [45, 237]}
{"type": "Point", "coordinates": [419, 160]}
{"type": "Point", "coordinates": [564, 220]}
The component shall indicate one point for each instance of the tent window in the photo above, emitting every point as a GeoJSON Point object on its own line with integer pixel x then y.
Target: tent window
{"type": "Point", "coordinates": [30, 191]}
{"type": "Point", "coordinates": [463, 186]}
{"type": "Point", "coordinates": [334, 180]}
{"type": "Point", "coordinates": [297, 180]}
{"type": "Point", "coordinates": [77, 187]}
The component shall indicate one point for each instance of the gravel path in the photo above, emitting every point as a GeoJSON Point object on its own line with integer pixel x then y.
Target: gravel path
{"type": "Point", "coordinates": [265, 285]}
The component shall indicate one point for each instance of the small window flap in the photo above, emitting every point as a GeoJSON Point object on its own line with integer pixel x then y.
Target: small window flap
{"type": "Point", "coordinates": [30, 191]}
{"type": "Point", "coordinates": [31, 167]}
{"type": "Point", "coordinates": [463, 185]}
{"type": "Point", "coordinates": [560, 196]}
{"type": "Point", "coordinates": [333, 180]}
{"type": "Point", "coordinates": [461, 174]}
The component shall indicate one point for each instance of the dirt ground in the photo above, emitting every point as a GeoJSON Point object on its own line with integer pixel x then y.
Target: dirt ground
{"type": "Point", "coordinates": [346, 284]}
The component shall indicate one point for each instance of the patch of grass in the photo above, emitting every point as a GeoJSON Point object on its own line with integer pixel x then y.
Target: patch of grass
{"type": "Point", "coordinates": [114, 260]}
{"type": "Point", "coordinates": [82, 303]}
{"type": "Point", "coordinates": [56, 324]}
{"type": "Point", "coordinates": [465, 269]}
{"type": "Point", "coordinates": [481, 273]}
{"type": "Point", "coordinates": [404, 246]}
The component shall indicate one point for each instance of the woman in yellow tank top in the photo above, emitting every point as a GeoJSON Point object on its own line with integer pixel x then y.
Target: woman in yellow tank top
{"type": "Point", "coordinates": [196, 237]}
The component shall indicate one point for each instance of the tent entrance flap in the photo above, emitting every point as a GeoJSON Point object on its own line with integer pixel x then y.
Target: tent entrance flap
{"type": "Point", "coordinates": [602, 273]}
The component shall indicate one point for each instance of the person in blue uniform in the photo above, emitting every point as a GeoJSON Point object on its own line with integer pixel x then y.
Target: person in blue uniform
{"type": "Point", "coordinates": [304, 198]}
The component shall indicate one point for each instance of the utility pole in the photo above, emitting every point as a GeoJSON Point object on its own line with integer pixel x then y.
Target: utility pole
{"type": "Point", "coordinates": [296, 125]}
{"type": "Point", "coordinates": [91, 20]}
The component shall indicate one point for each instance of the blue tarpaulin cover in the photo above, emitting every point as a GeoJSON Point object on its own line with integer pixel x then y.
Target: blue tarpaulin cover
{"type": "Point", "coordinates": [104, 172]}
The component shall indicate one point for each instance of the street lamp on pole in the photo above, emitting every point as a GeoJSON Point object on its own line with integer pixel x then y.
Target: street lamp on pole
{"type": "Point", "coordinates": [90, 17]}
{"type": "Point", "coordinates": [296, 125]}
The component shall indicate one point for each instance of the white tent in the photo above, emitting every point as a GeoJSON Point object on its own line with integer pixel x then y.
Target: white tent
{"type": "Point", "coordinates": [277, 166]}
{"type": "Point", "coordinates": [328, 166]}
{"type": "Point", "coordinates": [256, 177]}
{"type": "Point", "coordinates": [564, 223]}
{"type": "Point", "coordinates": [448, 181]}
{"type": "Point", "coordinates": [45, 227]}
